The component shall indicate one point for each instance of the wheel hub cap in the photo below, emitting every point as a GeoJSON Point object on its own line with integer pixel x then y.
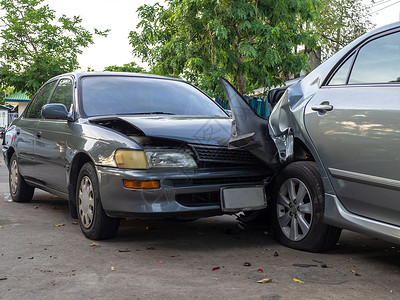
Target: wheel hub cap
{"type": "Point", "coordinates": [86, 202]}
{"type": "Point", "coordinates": [14, 177]}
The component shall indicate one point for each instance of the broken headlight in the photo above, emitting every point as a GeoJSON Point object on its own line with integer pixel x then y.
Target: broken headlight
{"type": "Point", "coordinates": [169, 158]}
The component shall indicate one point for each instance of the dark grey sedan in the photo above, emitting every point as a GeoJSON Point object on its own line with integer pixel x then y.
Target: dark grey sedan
{"type": "Point", "coordinates": [337, 139]}
{"type": "Point", "coordinates": [128, 145]}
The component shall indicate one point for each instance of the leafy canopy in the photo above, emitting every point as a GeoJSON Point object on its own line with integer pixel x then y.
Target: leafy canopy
{"type": "Point", "coordinates": [339, 23]}
{"type": "Point", "coordinates": [130, 67]}
{"type": "Point", "coordinates": [251, 43]}
{"type": "Point", "coordinates": [36, 46]}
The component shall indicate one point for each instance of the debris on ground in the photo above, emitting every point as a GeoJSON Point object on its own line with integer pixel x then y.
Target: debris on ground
{"type": "Point", "coordinates": [1, 227]}
{"type": "Point", "coordinates": [174, 255]}
{"type": "Point", "coordinates": [59, 225]}
{"type": "Point", "coordinates": [276, 254]}
{"type": "Point", "coordinates": [355, 273]}
{"type": "Point", "coordinates": [150, 248]}
{"type": "Point", "coordinates": [260, 270]}
{"type": "Point", "coordinates": [215, 269]}
{"type": "Point", "coordinates": [36, 207]}
{"type": "Point", "coordinates": [124, 250]}
{"type": "Point", "coordinates": [297, 280]}
{"type": "Point", "coordinates": [94, 244]}
{"type": "Point", "coordinates": [159, 261]}
{"type": "Point", "coordinates": [304, 265]}
{"type": "Point", "coordinates": [53, 207]}
{"type": "Point", "coordinates": [3, 278]}
{"type": "Point", "coordinates": [113, 268]}
{"type": "Point", "coordinates": [246, 264]}
{"type": "Point", "coordinates": [265, 280]}
{"type": "Point", "coordinates": [74, 223]}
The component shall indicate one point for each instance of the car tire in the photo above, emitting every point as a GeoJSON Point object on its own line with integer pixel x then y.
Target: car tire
{"type": "Point", "coordinates": [20, 191]}
{"type": "Point", "coordinates": [94, 222]}
{"type": "Point", "coordinates": [297, 209]}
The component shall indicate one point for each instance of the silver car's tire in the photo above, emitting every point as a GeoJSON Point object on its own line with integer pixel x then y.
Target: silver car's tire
{"type": "Point", "coordinates": [20, 191]}
{"type": "Point", "coordinates": [94, 222]}
{"type": "Point", "coordinates": [297, 209]}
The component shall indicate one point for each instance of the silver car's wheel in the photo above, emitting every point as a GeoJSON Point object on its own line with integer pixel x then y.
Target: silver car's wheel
{"type": "Point", "coordinates": [297, 209]}
{"type": "Point", "coordinates": [294, 209]}
{"type": "Point", "coordinates": [86, 202]}
{"type": "Point", "coordinates": [20, 191]}
{"type": "Point", "coordinates": [94, 222]}
{"type": "Point", "coordinates": [14, 177]}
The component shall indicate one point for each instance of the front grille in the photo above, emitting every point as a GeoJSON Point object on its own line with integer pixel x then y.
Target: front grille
{"type": "Point", "coordinates": [219, 154]}
{"type": "Point", "coordinates": [199, 199]}
{"type": "Point", "coordinates": [219, 180]}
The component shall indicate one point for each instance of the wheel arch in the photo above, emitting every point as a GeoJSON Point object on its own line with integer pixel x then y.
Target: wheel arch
{"type": "Point", "coordinates": [76, 165]}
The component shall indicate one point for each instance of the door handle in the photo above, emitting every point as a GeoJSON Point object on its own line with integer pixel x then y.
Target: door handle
{"type": "Point", "coordinates": [323, 107]}
{"type": "Point", "coordinates": [39, 134]}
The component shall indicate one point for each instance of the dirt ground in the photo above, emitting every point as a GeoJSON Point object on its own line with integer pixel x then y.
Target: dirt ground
{"type": "Point", "coordinates": [43, 255]}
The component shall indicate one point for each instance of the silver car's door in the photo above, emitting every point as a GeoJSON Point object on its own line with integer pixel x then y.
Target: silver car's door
{"type": "Point", "coordinates": [26, 130]}
{"type": "Point", "coordinates": [354, 124]}
{"type": "Point", "coordinates": [51, 142]}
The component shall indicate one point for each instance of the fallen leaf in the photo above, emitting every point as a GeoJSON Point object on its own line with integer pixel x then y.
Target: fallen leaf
{"type": "Point", "coordinates": [1, 226]}
{"type": "Point", "coordinates": [113, 269]}
{"type": "Point", "coordinates": [175, 255]}
{"type": "Point", "coordinates": [265, 280]}
{"type": "Point", "coordinates": [74, 223]}
{"type": "Point", "coordinates": [36, 207]}
{"type": "Point", "coordinates": [53, 207]}
{"type": "Point", "coordinates": [124, 250]}
{"type": "Point", "coordinates": [297, 280]}
{"type": "Point", "coordinates": [59, 225]}
{"type": "Point", "coordinates": [3, 278]}
{"type": "Point", "coordinates": [150, 248]}
{"type": "Point", "coordinates": [355, 273]}
{"type": "Point", "coordinates": [94, 244]}
{"type": "Point", "coordinates": [215, 269]}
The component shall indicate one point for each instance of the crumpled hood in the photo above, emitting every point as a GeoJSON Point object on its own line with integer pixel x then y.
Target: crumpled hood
{"type": "Point", "coordinates": [192, 129]}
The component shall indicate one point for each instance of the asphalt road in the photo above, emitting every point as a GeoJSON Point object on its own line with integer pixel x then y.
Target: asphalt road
{"type": "Point", "coordinates": [43, 255]}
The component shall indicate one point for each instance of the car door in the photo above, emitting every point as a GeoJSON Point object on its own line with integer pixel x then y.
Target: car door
{"type": "Point", "coordinates": [26, 130]}
{"type": "Point", "coordinates": [353, 122]}
{"type": "Point", "coordinates": [51, 141]}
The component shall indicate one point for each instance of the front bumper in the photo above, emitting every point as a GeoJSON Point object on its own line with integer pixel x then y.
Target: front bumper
{"type": "Point", "coordinates": [184, 193]}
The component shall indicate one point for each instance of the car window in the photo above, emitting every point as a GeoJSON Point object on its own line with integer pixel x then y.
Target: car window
{"type": "Point", "coordinates": [105, 95]}
{"type": "Point", "coordinates": [341, 75]}
{"type": "Point", "coordinates": [34, 110]}
{"type": "Point", "coordinates": [378, 61]}
{"type": "Point", "coordinates": [63, 93]}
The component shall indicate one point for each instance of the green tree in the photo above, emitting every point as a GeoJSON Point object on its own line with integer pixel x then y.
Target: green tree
{"type": "Point", "coordinates": [340, 22]}
{"type": "Point", "coordinates": [251, 43]}
{"type": "Point", "coordinates": [130, 67]}
{"type": "Point", "coordinates": [36, 46]}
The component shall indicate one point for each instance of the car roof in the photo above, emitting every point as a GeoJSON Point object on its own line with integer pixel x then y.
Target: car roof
{"type": "Point", "coordinates": [78, 75]}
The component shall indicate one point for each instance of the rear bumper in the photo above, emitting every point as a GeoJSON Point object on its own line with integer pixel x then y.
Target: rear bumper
{"type": "Point", "coordinates": [183, 193]}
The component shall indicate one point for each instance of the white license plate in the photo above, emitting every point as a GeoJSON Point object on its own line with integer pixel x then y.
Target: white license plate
{"type": "Point", "coordinates": [235, 199]}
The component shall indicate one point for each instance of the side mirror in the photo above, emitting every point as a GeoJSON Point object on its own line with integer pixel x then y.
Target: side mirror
{"type": "Point", "coordinates": [56, 111]}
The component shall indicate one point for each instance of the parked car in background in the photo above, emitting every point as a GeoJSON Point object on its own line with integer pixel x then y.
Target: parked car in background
{"type": "Point", "coordinates": [337, 138]}
{"type": "Point", "coordinates": [2, 132]}
{"type": "Point", "coordinates": [130, 145]}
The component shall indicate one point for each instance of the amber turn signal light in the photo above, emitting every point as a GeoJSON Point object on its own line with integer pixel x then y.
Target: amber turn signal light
{"type": "Point", "coordinates": [141, 184]}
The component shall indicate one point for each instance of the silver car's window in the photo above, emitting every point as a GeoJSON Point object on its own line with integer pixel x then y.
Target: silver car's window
{"type": "Point", "coordinates": [63, 93]}
{"type": "Point", "coordinates": [378, 61]}
{"type": "Point", "coordinates": [34, 110]}
{"type": "Point", "coordinates": [341, 75]}
{"type": "Point", "coordinates": [105, 95]}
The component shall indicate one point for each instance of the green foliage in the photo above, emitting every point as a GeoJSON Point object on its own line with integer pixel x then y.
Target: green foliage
{"type": "Point", "coordinates": [35, 46]}
{"type": "Point", "coordinates": [130, 67]}
{"type": "Point", "coordinates": [251, 43]}
{"type": "Point", "coordinates": [339, 22]}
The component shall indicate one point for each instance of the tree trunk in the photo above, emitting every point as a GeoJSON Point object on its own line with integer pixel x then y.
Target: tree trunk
{"type": "Point", "coordinates": [241, 80]}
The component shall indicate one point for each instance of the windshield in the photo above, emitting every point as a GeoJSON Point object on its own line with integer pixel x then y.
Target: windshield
{"type": "Point", "coordinates": [110, 95]}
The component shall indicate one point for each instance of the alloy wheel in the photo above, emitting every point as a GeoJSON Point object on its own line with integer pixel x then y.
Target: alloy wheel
{"type": "Point", "coordinates": [294, 209]}
{"type": "Point", "coordinates": [14, 177]}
